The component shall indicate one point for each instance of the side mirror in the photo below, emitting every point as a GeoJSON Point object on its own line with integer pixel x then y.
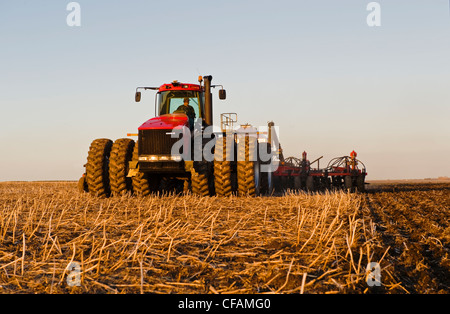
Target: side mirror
{"type": "Point", "coordinates": [138, 97]}
{"type": "Point", "coordinates": [222, 94]}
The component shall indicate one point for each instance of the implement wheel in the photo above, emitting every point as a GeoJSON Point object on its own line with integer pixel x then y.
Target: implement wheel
{"type": "Point", "coordinates": [310, 184]}
{"type": "Point", "coordinates": [360, 185]}
{"type": "Point", "coordinates": [348, 183]}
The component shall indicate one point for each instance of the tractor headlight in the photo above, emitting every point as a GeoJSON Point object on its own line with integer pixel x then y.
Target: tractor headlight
{"type": "Point", "coordinates": [155, 158]}
{"type": "Point", "coordinates": [176, 158]}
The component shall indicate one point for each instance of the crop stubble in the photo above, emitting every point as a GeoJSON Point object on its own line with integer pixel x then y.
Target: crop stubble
{"type": "Point", "coordinates": [311, 243]}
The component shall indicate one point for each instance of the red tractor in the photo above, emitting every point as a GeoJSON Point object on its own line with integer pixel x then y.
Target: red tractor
{"type": "Point", "coordinates": [204, 161]}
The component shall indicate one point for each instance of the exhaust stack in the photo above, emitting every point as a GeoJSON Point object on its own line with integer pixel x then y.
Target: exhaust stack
{"type": "Point", "coordinates": [208, 101]}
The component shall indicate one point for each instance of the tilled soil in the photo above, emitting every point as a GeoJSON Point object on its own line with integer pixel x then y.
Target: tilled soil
{"type": "Point", "coordinates": [412, 225]}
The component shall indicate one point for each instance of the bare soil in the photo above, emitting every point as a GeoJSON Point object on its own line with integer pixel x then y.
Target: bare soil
{"type": "Point", "coordinates": [412, 220]}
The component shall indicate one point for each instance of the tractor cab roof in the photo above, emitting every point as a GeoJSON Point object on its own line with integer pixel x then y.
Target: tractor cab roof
{"type": "Point", "coordinates": [175, 85]}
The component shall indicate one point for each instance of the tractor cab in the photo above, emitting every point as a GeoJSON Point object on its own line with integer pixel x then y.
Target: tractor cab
{"type": "Point", "coordinates": [171, 98]}
{"type": "Point", "coordinates": [177, 98]}
{"type": "Point", "coordinates": [169, 102]}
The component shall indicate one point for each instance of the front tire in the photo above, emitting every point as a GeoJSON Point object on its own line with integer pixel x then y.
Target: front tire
{"type": "Point", "coordinates": [97, 167]}
{"type": "Point", "coordinates": [142, 183]}
{"type": "Point", "coordinates": [121, 155]}
{"type": "Point", "coordinates": [199, 183]}
{"type": "Point", "coordinates": [82, 185]}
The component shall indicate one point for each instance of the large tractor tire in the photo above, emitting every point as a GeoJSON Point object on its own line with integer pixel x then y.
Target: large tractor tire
{"type": "Point", "coordinates": [248, 171]}
{"type": "Point", "coordinates": [121, 155]}
{"type": "Point", "coordinates": [82, 185]}
{"type": "Point", "coordinates": [141, 186]}
{"type": "Point", "coordinates": [199, 183]}
{"type": "Point", "coordinates": [97, 167]}
{"type": "Point", "coordinates": [142, 183]}
{"type": "Point", "coordinates": [202, 180]}
{"type": "Point", "coordinates": [222, 169]}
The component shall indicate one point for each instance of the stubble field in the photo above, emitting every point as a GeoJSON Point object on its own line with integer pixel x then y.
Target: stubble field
{"type": "Point", "coordinates": [296, 243]}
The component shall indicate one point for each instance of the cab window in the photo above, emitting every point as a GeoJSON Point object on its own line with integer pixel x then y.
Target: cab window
{"type": "Point", "coordinates": [169, 101]}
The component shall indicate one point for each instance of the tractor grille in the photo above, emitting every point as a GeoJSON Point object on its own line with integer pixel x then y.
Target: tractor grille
{"type": "Point", "coordinates": [155, 142]}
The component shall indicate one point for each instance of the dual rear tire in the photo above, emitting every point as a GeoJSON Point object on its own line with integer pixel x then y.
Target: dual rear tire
{"type": "Point", "coordinates": [107, 171]}
{"type": "Point", "coordinates": [222, 168]}
{"type": "Point", "coordinates": [121, 155]}
{"type": "Point", "coordinates": [254, 177]}
{"type": "Point", "coordinates": [107, 168]}
{"type": "Point", "coordinates": [97, 168]}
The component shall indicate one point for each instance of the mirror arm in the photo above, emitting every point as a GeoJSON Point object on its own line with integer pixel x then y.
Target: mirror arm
{"type": "Point", "coordinates": [137, 97]}
{"type": "Point", "coordinates": [147, 88]}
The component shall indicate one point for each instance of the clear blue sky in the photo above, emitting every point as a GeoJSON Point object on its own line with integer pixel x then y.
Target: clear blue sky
{"type": "Point", "coordinates": [328, 80]}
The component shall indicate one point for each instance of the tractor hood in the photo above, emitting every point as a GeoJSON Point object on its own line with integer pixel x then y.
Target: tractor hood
{"type": "Point", "coordinates": [166, 122]}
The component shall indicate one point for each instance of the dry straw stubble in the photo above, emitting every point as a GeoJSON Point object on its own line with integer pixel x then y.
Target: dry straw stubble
{"type": "Point", "coordinates": [181, 244]}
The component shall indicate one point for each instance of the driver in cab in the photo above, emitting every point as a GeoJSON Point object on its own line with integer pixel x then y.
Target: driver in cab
{"type": "Point", "coordinates": [187, 110]}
